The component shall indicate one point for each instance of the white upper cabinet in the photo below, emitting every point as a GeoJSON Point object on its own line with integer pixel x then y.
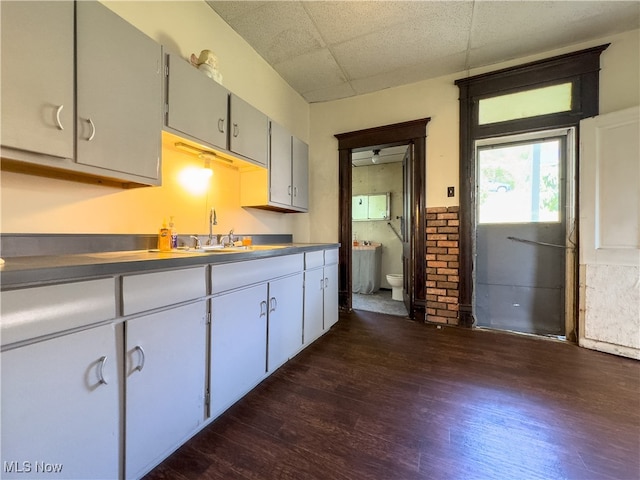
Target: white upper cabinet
{"type": "Point", "coordinates": [249, 131]}
{"type": "Point", "coordinates": [37, 77]}
{"type": "Point", "coordinates": [284, 186]}
{"type": "Point", "coordinates": [280, 188]}
{"type": "Point", "coordinates": [196, 105]}
{"type": "Point", "coordinates": [119, 92]}
{"type": "Point", "coordinates": [300, 174]}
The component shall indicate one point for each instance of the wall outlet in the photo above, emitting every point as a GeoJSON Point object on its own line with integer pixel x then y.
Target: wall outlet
{"type": "Point", "coordinates": [451, 191]}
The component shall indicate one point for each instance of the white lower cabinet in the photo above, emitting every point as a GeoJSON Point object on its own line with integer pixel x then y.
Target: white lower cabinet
{"type": "Point", "coordinates": [165, 370]}
{"type": "Point", "coordinates": [320, 293]}
{"type": "Point", "coordinates": [284, 320]}
{"type": "Point", "coordinates": [256, 324]}
{"type": "Point", "coordinates": [60, 414]}
{"type": "Point", "coordinates": [238, 344]}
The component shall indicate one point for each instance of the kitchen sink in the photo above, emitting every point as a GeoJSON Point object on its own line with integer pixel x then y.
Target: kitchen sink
{"type": "Point", "coordinates": [239, 249]}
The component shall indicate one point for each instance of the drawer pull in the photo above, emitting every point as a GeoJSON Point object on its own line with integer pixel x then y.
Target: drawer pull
{"type": "Point", "coordinates": [140, 366]}
{"type": "Point", "coordinates": [101, 364]}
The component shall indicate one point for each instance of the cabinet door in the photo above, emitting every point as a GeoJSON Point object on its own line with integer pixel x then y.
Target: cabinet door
{"type": "Point", "coordinates": [313, 304]}
{"type": "Point", "coordinates": [330, 295]}
{"type": "Point", "coordinates": [197, 104]}
{"type": "Point", "coordinates": [280, 188]}
{"type": "Point", "coordinates": [119, 92]}
{"type": "Point", "coordinates": [300, 162]}
{"type": "Point", "coordinates": [238, 345]}
{"type": "Point", "coordinates": [285, 320]}
{"type": "Point", "coordinates": [249, 131]}
{"type": "Point", "coordinates": [166, 375]}
{"type": "Point", "coordinates": [37, 77]}
{"type": "Point", "coordinates": [60, 408]}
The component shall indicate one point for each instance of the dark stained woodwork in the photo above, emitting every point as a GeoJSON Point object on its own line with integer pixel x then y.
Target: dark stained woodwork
{"type": "Point", "coordinates": [412, 132]}
{"type": "Point", "coordinates": [380, 397]}
{"type": "Point", "coordinates": [582, 69]}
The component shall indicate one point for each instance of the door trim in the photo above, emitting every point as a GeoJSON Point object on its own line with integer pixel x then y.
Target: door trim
{"type": "Point", "coordinates": [582, 68]}
{"type": "Point", "coordinates": [412, 132]}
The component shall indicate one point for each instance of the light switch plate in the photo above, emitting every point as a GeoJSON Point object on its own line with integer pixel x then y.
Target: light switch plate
{"type": "Point", "coordinates": [451, 191]}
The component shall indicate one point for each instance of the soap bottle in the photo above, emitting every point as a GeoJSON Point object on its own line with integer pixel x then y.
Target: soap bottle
{"type": "Point", "coordinates": [164, 238]}
{"type": "Point", "coordinates": [173, 233]}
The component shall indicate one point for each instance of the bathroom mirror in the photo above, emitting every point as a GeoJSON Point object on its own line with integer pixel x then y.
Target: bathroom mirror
{"type": "Point", "coordinates": [374, 206]}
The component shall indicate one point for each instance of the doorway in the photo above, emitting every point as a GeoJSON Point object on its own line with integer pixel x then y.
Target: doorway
{"type": "Point", "coordinates": [408, 133]}
{"type": "Point", "coordinates": [378, 228]}
{"type": "Point", "coordinates": [522, 242]}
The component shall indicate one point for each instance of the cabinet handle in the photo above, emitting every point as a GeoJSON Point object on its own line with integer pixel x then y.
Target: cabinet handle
{"type": "Point", "coordinates": [221, 125]}
{"type": "Point", "coordinates": [101, 364]}
{"type": "Point", "coordinates": [263, 308]}
{"type": "Point", "coordinates": [236, 130]}
{"type": "Point", "coordinates": [58, 112]}
{"type": "Point", "coordinates": [93, 130]}
{"type": "Point", "coordinates": [289, 191]}
{"type": "Point", "coordinates": [295, 191]}
{"type": "Point", "coordinates": [321, 284]}
{"type": "Point", "coordinates": [274, 304]}
{"type": "Point", "coordinates": [326, 282]}
{"type": "Point", "coordinates": [140, 366]}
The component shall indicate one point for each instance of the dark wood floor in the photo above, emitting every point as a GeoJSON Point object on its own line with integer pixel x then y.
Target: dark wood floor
{"type": "Point", "coordinates": [381, 397]}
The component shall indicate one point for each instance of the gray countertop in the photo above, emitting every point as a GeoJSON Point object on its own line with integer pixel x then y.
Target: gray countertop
{"type": "Point", "coordinates": [26, 271]}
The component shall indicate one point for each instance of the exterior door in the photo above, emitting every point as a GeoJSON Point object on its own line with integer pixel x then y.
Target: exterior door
{"type": "Point", "coordinates": [521, 235]}
{"type": "Point", "coordinates": [406, 229]}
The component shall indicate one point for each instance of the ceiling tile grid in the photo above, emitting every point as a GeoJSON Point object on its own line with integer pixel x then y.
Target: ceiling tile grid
{"type": "Point", "coordinates": [335, 49]}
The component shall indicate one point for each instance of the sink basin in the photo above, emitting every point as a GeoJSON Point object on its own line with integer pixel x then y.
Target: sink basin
{"type": "Point", "coordinates": [244, 248]}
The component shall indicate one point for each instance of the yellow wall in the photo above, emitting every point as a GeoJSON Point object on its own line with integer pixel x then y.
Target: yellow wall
{"type": "Point", "coordinates": [38, 205]}
{"type": "Point", "coordinates": [438, 98]}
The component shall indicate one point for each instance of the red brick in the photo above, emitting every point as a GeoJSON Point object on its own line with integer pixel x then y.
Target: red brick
{"type": "Point", "coordinates": [446, 313]}
{"type": "Point", "coordinates": [453, 264]}
{"type": "Point", "coordinates": [436, 223]}
{"type": "Point", "coordinates": [439, 236]}
{"type": "Point", "coordinates": [451, 278]}
{"type": "Point", "coordinates": [453, 292]}
{"type": "Point", "coordinates": [447, 258]}
{"type": "Point", "coordinates": [437, 305]}
{"type": "Point", "coordinates": [432, 270]}
{"type": "Point", "coordinates": [436, 291]}
{"type": "Point", "coordinates": [431, 216]}
{"type": "Point", "coordinates": [447, 285]}
{"type": "Point", "coordinates": [447, 216]}
{"type": "Point", "coordinates": [453, 223]}
{"type": "Point", "coordinates": [430, 256]}
{"type": "Point", "coordinates": [447, 271]}
{"type": "Point", "coordinates": [447, 229]}
{"type": "Point", "coordinates": [431, 298]}
{"type": "Point", "coordinates": [453, 251]}
{"type": "Point", "coordinates": [432, 284]}
{"type": "Point", "coordinates": [454, 307]}
{"type": "Point", "coordinates": [447, 243]}
{"type": "Point", "coordinates": [453, 236]}
{"type": "Point", "coordinates": [436, 210]}
{"type": "Point", "coordinates": [430, 243]}
{"type": "Point", "coordinates": [436, 319]}
{"type": "Point", "coordinates": [444, 299]}
{"type": "Point", "coordinates": [434, 249]}
{"type": "Point", "coordinates": [434, 229]}
{"type": "Point", "coordinates": [437, 264]}
{"type": "Point", "coordinates": [431, 311]}
{"type": "Point", "coordinates": [437, 278]}
{"type": "Point", "coordinates": [454, 208]}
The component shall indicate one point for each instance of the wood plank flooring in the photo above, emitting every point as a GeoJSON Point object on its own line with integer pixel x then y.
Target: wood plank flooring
{"type": "Point", "coordinates": [381, 397]}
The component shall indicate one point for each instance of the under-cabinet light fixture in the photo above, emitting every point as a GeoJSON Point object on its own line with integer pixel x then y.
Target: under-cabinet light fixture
{"type": "Point", "coordinates": [205, 155]}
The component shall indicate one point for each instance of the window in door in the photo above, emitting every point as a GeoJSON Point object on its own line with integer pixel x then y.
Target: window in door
{"type": "Point", "coordinates": [519, 183]}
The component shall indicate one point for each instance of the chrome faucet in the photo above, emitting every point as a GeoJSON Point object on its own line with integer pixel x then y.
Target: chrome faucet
{"type": "Point", "coordinates": [213, 220]}
{"type": "Point", "coordinates": [229, 239]}
{"type": "Point", "coordinates": [196, 242]}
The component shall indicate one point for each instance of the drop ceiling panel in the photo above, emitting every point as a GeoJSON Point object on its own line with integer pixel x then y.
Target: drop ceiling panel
{"type": "Point", "coordinates": [333, 49]}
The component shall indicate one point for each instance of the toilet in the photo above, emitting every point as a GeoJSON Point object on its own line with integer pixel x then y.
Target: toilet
{"type": "Point", "coordinates": [395, 280]}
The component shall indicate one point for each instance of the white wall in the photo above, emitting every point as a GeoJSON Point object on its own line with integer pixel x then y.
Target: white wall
{"type": "Point", "coordinates": [438, 98]}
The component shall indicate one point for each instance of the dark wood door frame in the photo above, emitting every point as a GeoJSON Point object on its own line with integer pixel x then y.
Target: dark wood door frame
{"type": "Point", "coordinates": [413, 132]}
{"type": "Point", "coordinates": [581, 68]}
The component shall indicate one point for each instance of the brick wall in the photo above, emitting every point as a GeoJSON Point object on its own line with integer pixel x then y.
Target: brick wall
{"type": "Point", "coordinates": [443, 235]}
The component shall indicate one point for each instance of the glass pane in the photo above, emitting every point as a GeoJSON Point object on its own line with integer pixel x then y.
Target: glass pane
{"type": "Point", "coordinates": [530, 103]}
{"type": "Point", "coordinates": [519, 183]}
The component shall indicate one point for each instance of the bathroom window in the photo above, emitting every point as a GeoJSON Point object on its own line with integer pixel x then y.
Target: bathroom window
{"type": "Point", "coordinates": [374, 206]}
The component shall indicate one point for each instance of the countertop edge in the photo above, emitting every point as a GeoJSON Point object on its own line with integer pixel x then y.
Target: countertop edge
{"type": "Point", "coordinates": [23, 272]}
